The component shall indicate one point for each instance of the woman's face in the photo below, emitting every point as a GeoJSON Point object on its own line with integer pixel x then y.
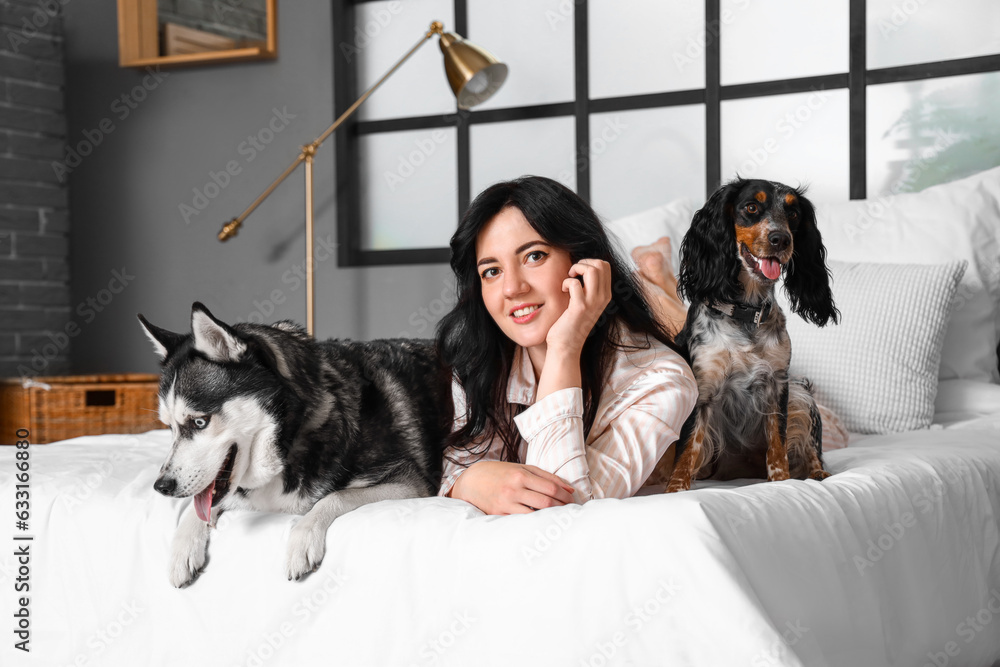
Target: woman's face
{"type": "Point", "coordinates": [521, 277]}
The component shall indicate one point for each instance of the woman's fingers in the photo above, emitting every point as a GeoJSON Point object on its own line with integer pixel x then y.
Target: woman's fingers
{"type": "Point", "coordinates": [527, 500]}
{"type": "Point", "coordinates": [596, 274]}
{"type": "Point", "coordinates": [538, 489]}
{"type": "Point", "coordinates": [517, 508]}
{"type": "Point", "coordinates": [540, 501]}
{"type": "Point", "coordinates": [550, 476]}
{"type": "Point", "coordinates": [549, 484]}
{"type": "Point", "coordinates": [498, 487]}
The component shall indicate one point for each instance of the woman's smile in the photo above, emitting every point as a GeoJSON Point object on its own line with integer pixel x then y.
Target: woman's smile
{"type": "Point", "coordinates": [521, 277]}
{"type": "Point", "coordinates": [525, 314]}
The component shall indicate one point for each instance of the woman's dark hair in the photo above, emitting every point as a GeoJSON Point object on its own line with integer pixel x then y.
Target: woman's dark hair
{"type": "Point", "coordinates": [481, 355]}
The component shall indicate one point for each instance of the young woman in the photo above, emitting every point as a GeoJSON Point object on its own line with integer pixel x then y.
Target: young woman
{"type": "Point", "coordinates": [567, 388]}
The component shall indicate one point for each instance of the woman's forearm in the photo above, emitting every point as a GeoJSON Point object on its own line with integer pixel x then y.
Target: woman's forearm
{"type": "Point", "coordinates": [561, 371]}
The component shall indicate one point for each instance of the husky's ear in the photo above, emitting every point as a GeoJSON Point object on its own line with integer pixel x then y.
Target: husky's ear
{"type": "Point", "coordinates": [215, 339]}
{"type": "Point", "coordinates": [164, 342]}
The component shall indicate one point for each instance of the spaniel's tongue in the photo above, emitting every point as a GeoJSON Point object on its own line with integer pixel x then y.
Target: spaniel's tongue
{"type": "Point", "coordinates": [770, 268]}
{"type": "Point", "coordinates": [203, 503]}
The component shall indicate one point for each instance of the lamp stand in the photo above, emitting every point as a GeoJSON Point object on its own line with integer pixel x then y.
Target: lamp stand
{"type": "Point", "coordinates": [306, 156]}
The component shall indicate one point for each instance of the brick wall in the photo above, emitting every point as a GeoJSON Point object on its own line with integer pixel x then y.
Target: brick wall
{"type": "Point", "coordinates": [34, 218]}
{"type": "Point", "coordinates": [236, 19]}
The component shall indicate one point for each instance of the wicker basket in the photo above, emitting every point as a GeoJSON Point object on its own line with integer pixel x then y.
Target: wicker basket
{"type": "Point", "coordinates": [57, 408]}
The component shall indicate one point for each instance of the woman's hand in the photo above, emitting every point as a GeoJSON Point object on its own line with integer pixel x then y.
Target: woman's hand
{"type": "Point", "coordinates": [564, 342]}
{"type": "Point", "coordinates": [587, 301]}
{"type": "Point", "coordinates": [498, 487]}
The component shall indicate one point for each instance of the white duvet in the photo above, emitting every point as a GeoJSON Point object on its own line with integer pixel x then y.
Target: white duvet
{"type": "Point", "coordinates": [893, 561]}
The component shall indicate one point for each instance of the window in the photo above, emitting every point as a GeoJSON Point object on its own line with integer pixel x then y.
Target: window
{"type": "Point", "coordinates": [633, 104]}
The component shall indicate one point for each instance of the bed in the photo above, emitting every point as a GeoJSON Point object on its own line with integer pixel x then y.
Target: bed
{"type": "Point", "coordinates": [883, 564]}
{"type": "Point", "coordinates": [895, 560]}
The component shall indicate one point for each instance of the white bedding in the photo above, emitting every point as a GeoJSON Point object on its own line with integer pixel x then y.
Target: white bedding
{"type": "Point", "coordinates": [889, 562]}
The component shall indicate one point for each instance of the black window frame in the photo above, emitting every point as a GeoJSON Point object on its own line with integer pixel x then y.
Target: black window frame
{"type": "Point", "coordinates": [856, 80]}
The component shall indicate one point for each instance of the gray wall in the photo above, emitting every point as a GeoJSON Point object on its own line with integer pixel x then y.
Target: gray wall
{"type": "Point", "coordinates": [35, 322]}
{"type": "Point", "coordinates": [186, 124]}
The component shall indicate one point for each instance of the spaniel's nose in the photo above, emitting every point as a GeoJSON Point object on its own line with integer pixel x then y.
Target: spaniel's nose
{"type": "Point", "coordinates": [779, 240]}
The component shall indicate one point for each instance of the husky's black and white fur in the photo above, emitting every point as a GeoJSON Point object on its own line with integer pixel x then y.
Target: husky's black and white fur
{"type": "Point", "coordinates": [263, 417]}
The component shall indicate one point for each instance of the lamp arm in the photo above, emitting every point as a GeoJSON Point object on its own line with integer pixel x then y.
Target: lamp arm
{"type": "Point", "coordinates": [436, 29]}
{"type": "Point", "coordinates": [229, 229]}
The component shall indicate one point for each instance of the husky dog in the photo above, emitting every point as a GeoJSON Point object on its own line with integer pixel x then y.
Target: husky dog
{"type": "Point", "coordinates": [266, 418]}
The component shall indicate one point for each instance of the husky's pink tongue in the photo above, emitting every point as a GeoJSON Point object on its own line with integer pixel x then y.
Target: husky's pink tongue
{"type": "Point", "coordinates": [770, 268]}
{"type": "Point", "coordinates": [203, 503]}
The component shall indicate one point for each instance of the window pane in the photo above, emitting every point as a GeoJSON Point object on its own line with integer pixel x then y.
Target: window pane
{"type": "Point", "coordinates": [409, 195]}
{"type": "Point", "coordinates": [921, 133]}
{"type": "Point", "coordinates": [766, 40]}
{"type": "Point", "coordinates": [502, 151]}
{"type": "Point", "coordinates": [798, 139]}
{"type": "Point", "coordinates": [535, 39]}
{"type": "Point", "coordinates": [645, 158]}
{"type": "Point", "coordinates": [646, 46]}
{"type": "Point", "coordinates": [384, 32]}
{"type": "Point", "coordinates": [917, 31]}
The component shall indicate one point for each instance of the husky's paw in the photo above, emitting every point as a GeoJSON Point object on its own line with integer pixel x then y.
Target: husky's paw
{"type": "Point", "coordinates": [306, 548]}
{"type": "Point", "coordinates": [189, 553]}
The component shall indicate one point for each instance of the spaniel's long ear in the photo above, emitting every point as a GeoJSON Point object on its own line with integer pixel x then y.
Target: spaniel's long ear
{"type": "Point", "coordinates": [709, 265]}
{"type": "Point", "coordinates": [807, 281]}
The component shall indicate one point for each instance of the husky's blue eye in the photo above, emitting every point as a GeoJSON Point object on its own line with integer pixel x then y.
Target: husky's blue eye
{"type": "Point", "coordinates": [200, 422]}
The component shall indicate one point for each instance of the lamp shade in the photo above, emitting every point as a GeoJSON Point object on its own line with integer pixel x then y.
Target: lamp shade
{"type": "Point", "coordinates": [473, 72]}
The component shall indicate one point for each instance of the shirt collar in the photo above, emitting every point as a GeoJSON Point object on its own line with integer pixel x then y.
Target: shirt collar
{"type": "Point", "coordinates": [521, 385]}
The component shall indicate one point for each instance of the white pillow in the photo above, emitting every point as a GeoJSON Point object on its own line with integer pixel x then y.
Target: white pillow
{"type": "Point", "coordinates": [944, 223]}
{"type": "Point", "coordinates": [643, 228]}
{"type": "Point", "coordinates": [878, 368]}
{"type": "Point", "coordinates": [965, 400]}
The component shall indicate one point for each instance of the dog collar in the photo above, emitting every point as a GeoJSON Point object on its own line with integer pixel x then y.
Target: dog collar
{"type": "Point", "coordinates": [744, 313]}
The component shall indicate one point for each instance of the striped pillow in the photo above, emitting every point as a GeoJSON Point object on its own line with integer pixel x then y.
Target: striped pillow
{"type": "Point", "coordinates": [878, 368]}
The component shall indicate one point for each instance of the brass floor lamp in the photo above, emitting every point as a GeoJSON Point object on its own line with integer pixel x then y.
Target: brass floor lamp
{"type": "Point", "coordinates": [474, 75]}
